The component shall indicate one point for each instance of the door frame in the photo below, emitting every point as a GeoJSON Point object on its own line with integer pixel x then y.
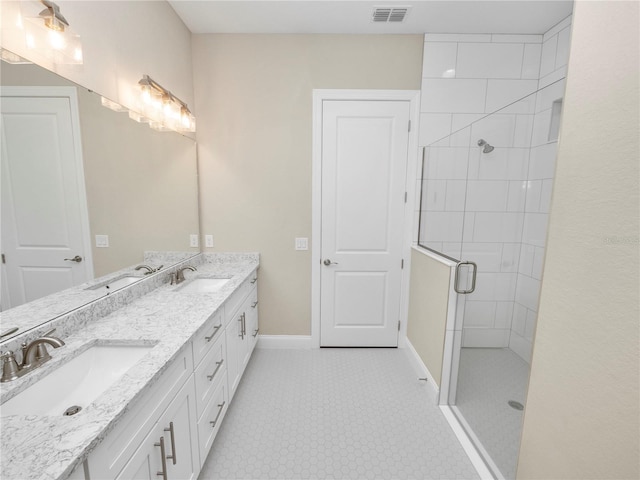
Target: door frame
{"type": "Point", "coordinates": [320, 96]}
{"type": "Point", "coordinates": [71, 94]}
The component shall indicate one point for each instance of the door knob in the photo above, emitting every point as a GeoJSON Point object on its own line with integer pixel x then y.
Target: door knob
{"type": "Point", "coordinates": [328, 262]}
{"type": "Point", "coordinates": [76, 259]}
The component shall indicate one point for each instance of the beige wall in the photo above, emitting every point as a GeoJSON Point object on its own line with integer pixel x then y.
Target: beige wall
{"type": "Point", "coordinates": [141, 184]}
{"type": "Point", "coordinates": [254, 100]}
{"type": "Point", "coordinates": [582, 414]}
{"type": "Point", "coordinates": [428, 305]}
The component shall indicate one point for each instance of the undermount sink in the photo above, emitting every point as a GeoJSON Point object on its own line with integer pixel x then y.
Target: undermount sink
{"type": "Point", "coordinates": [116, 283]}
{"type": "Point", "coordinates": [203, 285]}
{"type": "Point", "coordinates": [77, 382]}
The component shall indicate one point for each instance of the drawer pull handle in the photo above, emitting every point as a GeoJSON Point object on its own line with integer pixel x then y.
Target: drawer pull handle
{"type": "Point", "coordinates": [173, 443]}
{"type": "Point", "coordinates": [219, 364]}
{"type": "Point", "coordinates": [162, 473]}
{"type": "Point", "coordinates": [215, 330]}
{"type": "Point", "coordinates": [254, 304]}
{"type": "Point", "coordinates": [220, 407]}
{"type": "Point", "coordinates": [255, 334]}
{"type": "Point", "coordinates": [241, 320]}
{"type": "Point", "coordinates": [255, 279]}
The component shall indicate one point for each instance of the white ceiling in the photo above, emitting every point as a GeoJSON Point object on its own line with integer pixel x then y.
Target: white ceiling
{"type": "Point", "coordinates": [354, 16]}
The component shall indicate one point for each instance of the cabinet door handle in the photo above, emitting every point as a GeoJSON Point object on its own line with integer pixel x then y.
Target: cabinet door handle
{"type": "Point", "coordinates": [215, 330]}
{"type": "Point", "coordinates": [162, 473]}
{"type": "Point", "coordinates": [219, 364]}
{"type": "Point", "coordinates": [254, 304]}
{"type": "Point", "coordinates": [244, 324]}
{"type": "Point", "coordinates": [241, 334]}
{"type": "Point", "coordinates": [255, 279]}
{"type": "Point", "coordinates": [220, 407]}
{"type": "Point", "coordinates": [173, 443]}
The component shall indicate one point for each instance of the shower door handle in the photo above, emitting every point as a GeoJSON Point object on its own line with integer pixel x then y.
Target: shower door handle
{"type": "Point", "coordinates": [457, 277]}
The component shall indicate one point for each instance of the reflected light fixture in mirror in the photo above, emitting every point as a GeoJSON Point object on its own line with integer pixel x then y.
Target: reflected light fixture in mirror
{"type": "Point", "coordinates": [48, 32]}
{"type": "Point", "coordinates": [161, 109]}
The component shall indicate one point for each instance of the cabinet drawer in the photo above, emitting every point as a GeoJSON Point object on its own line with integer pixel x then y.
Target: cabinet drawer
{"type": "Point", "coordinates": [211, 419]}
{"type": "Point", "coordinates": [207, 335]}
{"type": "Point", "coordinates": [210, 373]}
{"type": "Point", "coordinates": [235, 300]}
{"type": "Point", "coordinates": [119, 445]}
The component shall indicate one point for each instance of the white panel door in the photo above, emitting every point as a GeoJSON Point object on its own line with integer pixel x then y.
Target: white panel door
{"type": "Point", "coordinates": [364, 161]}
{"type": "Point", "coordinates": [44, 218]}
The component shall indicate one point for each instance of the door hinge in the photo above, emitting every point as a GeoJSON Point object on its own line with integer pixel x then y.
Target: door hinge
{"type": "Point", "coordinates": [3, 259]}
{"type": "Point", "coordinates": [409, 126]}
{"type": "Point", "coordinates": [402, 263]}
{"type": "Point", "coordinates": [405, 197]}
{"type": "Point", "coordinates": [398, 325]}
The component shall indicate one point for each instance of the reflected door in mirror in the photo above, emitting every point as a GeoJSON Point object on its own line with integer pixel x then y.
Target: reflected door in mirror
{"type": "Point", "coordinates": [45, 224]}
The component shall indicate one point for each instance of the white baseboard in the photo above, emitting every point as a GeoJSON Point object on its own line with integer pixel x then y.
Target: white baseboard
{"type": "Point", "coordinates": [420, 368]}
{"type": "Point", "coordinates": [284, 341]}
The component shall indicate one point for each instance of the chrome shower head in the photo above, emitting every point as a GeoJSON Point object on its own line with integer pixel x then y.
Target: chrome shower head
{"type": "Point", "coordinates": [487, 148]}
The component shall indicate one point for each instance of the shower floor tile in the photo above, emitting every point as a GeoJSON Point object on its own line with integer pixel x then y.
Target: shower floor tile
{"type": "Point", "coordinates": [488, 379]}
{"type": "Point", "coordinates": [334, 413]}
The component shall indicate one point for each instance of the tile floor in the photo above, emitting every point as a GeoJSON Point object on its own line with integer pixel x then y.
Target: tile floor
{"type": "Point", "coordinates": [334, 414]}
{"type": "Point", "coordinates": [488, 379]}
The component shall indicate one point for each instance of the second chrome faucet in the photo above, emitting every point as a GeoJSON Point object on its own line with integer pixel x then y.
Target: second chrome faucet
{"type": "Point", "coordinates": [178, 277]}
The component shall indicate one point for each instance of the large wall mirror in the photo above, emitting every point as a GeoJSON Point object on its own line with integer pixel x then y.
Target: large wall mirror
{"type": "Point", "coordinates": [132, 188]}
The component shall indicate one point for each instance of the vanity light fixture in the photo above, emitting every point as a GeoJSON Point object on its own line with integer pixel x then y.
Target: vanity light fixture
{"type": "Point", "coordinates": [161, 109]}
{"type": "Point", "coordinates": [10, 57]}
{"type": "Point", "coordinates": [49, 33]}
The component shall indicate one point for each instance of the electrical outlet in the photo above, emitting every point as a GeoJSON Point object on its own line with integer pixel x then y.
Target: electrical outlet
{"type": "Point", "coordinates": [208, 241]}
{"type": "Point", "coordinates": [102, 241]}
{"type": "Point", "coordinates": [302, 243]}
{"type": "Point", "coordinates": [193, 241]}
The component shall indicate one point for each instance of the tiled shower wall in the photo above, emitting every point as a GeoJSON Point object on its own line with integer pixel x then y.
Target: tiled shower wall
{"type": "Point", "coordinates": [500, 199]}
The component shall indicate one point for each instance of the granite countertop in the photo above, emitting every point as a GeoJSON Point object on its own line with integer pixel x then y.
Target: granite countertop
{"type": "Point", "coordinates": [48, 447]}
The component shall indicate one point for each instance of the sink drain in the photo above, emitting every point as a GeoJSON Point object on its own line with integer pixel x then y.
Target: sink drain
{"type": "Point", "coordinates": [72, 410]}
{"type": "Point", "coordinates": [516, 405]}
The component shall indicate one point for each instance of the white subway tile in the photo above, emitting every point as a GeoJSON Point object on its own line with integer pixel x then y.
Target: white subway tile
{"type": "Point", "coordinates": [452, 249]}
{"type": "Point", "coordinates": [553, 77]}
{"type": "Point", "coordinates": [548, 59]}
{"type": "Point", "coordinates": [461, 120]}
{"type": "Point", "coordinates": [527, 255]}
{"type": "Point", "coordinates": [496, 129]}
{"type": "Point", "coordinates": [460, 137]}
{"type": "Point", "coordinates": [433, 195]}
{"type": "Point", "coordinates": [523, 131]}
{"type": "Point", "coordinates": [541, 126]}
{"type": "Point", "coordinates": [542, 162]}
{"type": "Point", "coordinates": [501, 164]}
{"type": "Point", "coordinates": [453, 95]}
{"type": "Point", "coordinates": [487, 256]}
{"type": "Point", "coordinates": [526, 104]}
{"type": "Point", "coordinates": [531, 61]}
{"type": "Point", "coordinates": [489, 60]}
{"type": "Point", "coordinates": [538, 263]}
{"type": "Point", "coordinates": [517, 195]}
{"type": "Point", "coordinates": [505, 287]}
{"type": "Point", "coordinates": [439, 60]}
{"type": "Point", "coordinates": [456, 37]}
{"type": "Point", "coordinates": [534, 190]}
{"type": "Point", "coordinates": [455, 196]}
{"type": "Point", "coordinates": [519, 319]}
{"type": "Point", "coordinates": [437, 246]}
{"type": "Point", "coordinates": [535, 229]}
{"type": "Point", "coordinates": [545, 196]}
{"type": "Point", "coordinates": [561, 25]}
{"type": "Point", "coordinates": [548, 95]}
{"type": "Point", "coordinates": [498, 227]}
{"type": "Point", "coordinates": [479, 314]}
{"type": "Point", "coordinates": [505, 38]}
{"type": "Point", "coordinates": [501, 93]}
{"type": "Point", "coordinates": [521, 346]}
{"type": "Point", "coordinates": [442, 226]}
{"type": "Point", "coordinates": [562, 52]}
{"type": "Point", "coordinates": [530, 326]}
{"type": "Point", "coordinates": [485, 287]}
{"type": "Point", "coordinates": [527, 292]}
{"type": "Point", "coordinates": [487, 195]}
{"type": "Point", "coordinates": [447, 163]}
{"type": "Point", "coordinates": [469, 226]}
{"type": "Point", "coordinates": [485, 338]}
{"type": "Point", "coordinates": [434, 126]}
{"type": "Point", "coordinates": [510, 257]}
{"type": "Point", "coordinates": [504, 312]}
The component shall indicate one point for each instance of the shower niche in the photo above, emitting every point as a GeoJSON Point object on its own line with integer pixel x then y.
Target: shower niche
{"type": "Point", "coordinates": [485, 198]}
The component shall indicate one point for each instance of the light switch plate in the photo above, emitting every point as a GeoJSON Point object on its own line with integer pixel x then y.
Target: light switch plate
{"type": "Point", "coordinates": [193, 240]}
{"type": "Point", "coordinates": [102, 241]}
{"type": "Point", "coordinates": [208, 241]}
{"type": "Point", "coordinates": [302, 243]}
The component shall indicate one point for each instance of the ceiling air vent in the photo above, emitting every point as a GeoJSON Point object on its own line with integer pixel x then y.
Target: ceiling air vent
{"type": "Point", "coordinates": [389, 14]}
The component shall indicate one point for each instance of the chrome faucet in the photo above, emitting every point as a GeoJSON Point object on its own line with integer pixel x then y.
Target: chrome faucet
{"type": "Point", "coordinates": [179, 277]}
{"type": "Point", "coordinates": [34, 354]}
{"type": "Point", "coordinates": [148, 268]}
